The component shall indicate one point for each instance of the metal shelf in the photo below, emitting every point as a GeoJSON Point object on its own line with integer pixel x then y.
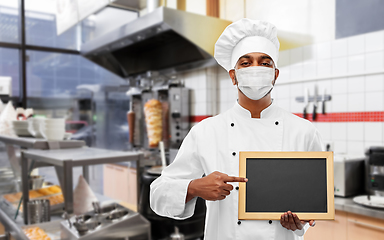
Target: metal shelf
{"type": "Point", "coordinates": [33, 143]}
{"type": "Point", "coordinates": [80, 156]}
{"type": "Point", "coordinates": [65, 159]}
{"type": "Point", "coordinates": [39, 143]}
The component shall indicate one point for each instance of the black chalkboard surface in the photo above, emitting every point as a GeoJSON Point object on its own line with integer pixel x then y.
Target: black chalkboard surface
{"type": "Point", "coordinates": [301, 182]}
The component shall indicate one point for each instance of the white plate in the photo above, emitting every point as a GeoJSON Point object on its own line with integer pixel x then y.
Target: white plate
{"type": "Point", "coordinates": [375, 202]}
{"type": "Point", "coordinates": [23, 133]}
{"type": "Point", "coordinates": [20, 127]}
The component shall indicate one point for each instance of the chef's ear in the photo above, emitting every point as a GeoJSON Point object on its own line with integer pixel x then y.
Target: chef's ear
{"type": "Point", "coordinates": [276, 76]}
{"type": "Point", "coordinates": [232, 75]}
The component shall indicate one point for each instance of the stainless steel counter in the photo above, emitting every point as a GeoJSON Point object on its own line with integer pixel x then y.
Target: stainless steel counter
{"type": "Point", "coordinates": [15, 226]}
{"type": "Point", "coordinates": [347, 205]}
{"type": "Point", "coordinates": [12, 145]}
{"type": "Point", "coordinates": [65, 159]}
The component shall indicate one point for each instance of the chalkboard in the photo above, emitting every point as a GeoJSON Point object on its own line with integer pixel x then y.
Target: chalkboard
{"type": "Point", "coordinates": [301, 182]}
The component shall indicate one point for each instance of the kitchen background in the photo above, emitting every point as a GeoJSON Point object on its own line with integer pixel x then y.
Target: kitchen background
{"type": "Point", "coordinates": [343, 59]}
{"type": "Point", "coordinates": [336, 46]}
{"type": "Point", "coordinates": [331, 45]}
{"type": "Point", "coordinates": [333, 49]}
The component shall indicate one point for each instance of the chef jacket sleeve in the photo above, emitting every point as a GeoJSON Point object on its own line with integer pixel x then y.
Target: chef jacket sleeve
{"type": "Point", "coordinates": [301, 232]}
{"type": "Point", "coordinates": [316, 144]}
{"type": "Point", "coordinates": [169, 191]}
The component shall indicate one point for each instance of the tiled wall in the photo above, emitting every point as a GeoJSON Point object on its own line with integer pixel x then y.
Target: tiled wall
{"type": "Point", "coordinates": [212, 92]}
{"type": "Point", "coordinates": [351, 70]}
{"type": "Point", "coordinates": [204, 90]}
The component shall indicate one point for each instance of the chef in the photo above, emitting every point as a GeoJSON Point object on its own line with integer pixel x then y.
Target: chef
{"type": "Point", "coordinates": [207, 164]}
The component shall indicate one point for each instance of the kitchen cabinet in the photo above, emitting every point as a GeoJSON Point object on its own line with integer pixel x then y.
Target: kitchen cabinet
{"type": "Point", "coordinates": [2, 230]}
{"type": "Point", "coordinates": [330, 230]}
{"type": "Point", "coordinates": [347, 226]}
{"type": "Point", "coordinates": [120, 182]}
{"type": "Point", "coordinates": [362, 227]}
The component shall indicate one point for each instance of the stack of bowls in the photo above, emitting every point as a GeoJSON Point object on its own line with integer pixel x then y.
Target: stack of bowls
{"type": "Point", "coordinates": [21, 128]}
{"type": "Point", "coordinates": [53, 128]}
{"type": "Point", "coordinates": [34, 126]}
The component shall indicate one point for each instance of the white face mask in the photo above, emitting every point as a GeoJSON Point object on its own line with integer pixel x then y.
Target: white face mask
{"type": "Point", "coordinates": [255, 82]}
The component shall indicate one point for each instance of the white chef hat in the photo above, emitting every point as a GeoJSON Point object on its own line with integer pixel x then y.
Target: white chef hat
{"type": "Point", "coordinates": [246, 36]}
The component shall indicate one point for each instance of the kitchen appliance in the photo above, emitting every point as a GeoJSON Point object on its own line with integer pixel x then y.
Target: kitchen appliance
{"type": "Point", "coordinates": [112, 221]}
{"type": "Point", "coordinates": [348, 175]}
{"type": "Point", "coordinates": [175, 103]}
{"type": "Point", "coordinates": [165, 40]}
{"type": "Point", "coordinates": [374, 164]}
{"type": "Point", "coordinates": [179, 115]}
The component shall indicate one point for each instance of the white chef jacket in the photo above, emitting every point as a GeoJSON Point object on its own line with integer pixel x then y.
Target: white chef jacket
{"type": "Point", "coordinates": [213, 145]}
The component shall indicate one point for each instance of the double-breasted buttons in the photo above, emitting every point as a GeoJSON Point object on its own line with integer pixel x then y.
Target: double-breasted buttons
{"type": "Point", "coordinates": [237, 187]}
{"type": "Point", "coordinates": [277, 123]}
{"type": "Point", "coordinates": [238, 222]}
{"type": "Point", "coordinates": [233, 153]}
{"type": "Point", "coordinates": [270, 222]}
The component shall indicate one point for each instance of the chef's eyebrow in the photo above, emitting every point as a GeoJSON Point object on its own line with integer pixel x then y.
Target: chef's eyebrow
{"type": "Point", "coordinates": [245, 56]}
{"type": "Point", "coordinates": [266, 57]}
{"type": "Point", "coordinates": [262, 57]}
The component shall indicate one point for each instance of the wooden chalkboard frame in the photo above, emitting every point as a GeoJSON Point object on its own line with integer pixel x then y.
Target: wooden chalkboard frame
{"type": "Point", "coordinates": [328, 156]}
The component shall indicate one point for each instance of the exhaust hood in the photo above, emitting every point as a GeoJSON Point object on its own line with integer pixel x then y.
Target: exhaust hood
{"type": "Point", "coordinates": [165, 40]}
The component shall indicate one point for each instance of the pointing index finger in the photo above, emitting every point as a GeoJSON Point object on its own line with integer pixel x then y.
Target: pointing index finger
{"type": "Point", "coordinates": [235, 179]}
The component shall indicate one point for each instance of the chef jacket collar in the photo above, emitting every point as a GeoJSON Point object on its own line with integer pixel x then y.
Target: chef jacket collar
{"type": "Point", "coordinates": [266, 113]}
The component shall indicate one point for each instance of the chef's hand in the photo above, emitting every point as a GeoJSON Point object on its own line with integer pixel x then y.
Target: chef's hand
{"type": "Point", "coordinates": [212, 187]}
{"type": "Point", "coordinates": [292, 222]}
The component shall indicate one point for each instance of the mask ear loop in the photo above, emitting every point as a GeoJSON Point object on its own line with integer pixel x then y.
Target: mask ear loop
{"type": "Point", "coordinates": [273, 81]}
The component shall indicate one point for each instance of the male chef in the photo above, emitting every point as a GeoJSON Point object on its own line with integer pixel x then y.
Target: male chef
{"type": "Point", "coordinates": [248, 50]}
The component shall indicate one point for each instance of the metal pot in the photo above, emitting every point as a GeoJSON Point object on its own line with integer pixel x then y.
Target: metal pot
{"type": "Point", "coordinates": [38, 211]}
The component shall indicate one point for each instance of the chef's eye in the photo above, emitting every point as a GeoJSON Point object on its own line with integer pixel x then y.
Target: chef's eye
{"type": "Point", "coordinates": [245, 64]}
{"type": "Point", "coordinates": [266, 64]}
